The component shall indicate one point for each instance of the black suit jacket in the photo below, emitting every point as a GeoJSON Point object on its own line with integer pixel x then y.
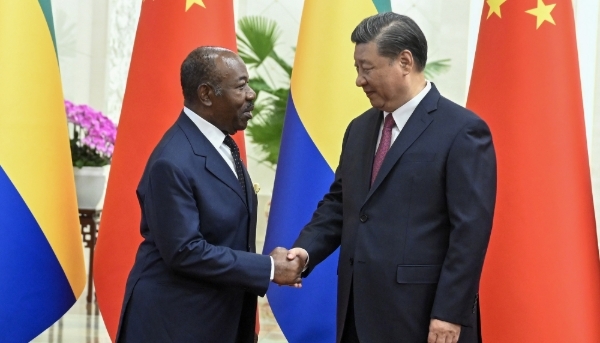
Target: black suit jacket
{"type": "Point", "coordinates": [196, 276]}
{"type": "Point", "coordinates": [413, 244]}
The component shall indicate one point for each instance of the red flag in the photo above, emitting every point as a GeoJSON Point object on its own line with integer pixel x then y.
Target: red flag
{"type": "Point", "coordinates": [167, 32]}
{"type": "Point", "coordinates": [541, 279]}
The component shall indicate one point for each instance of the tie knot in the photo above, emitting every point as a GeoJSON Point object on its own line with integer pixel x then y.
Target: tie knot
{"type": "Point", "coordinates": [389, 122]}
{"type": "Point", "coordinates": [231, 144]}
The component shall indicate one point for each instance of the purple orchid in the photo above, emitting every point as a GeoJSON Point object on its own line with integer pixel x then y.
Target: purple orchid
{"type": "Point", "coordinates": [92, 135]}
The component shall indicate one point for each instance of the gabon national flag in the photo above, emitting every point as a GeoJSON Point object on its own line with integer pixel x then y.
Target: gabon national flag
{"type": "Point", "coordinates": [311, 144]}
{"type": "Point", "coordinates": [167, 32]}
{"type": "Point", "coordinates": [541, 279]}
{"type": "Point", "coordinates": [42, 271]}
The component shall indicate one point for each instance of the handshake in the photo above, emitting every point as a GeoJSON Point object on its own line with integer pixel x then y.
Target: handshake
{"type": "Point", "coordinates": [289, 265]}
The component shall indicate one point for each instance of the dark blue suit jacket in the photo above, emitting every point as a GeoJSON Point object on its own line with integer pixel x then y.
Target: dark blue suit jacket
{"type": "Point", "coordinates": [413, 244]}
{"type": "Point", "coordinates": [196, 276]}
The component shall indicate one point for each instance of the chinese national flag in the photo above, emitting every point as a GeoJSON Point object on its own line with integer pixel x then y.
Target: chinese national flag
{"type": "Point", "coordinates": [541, 279]}
{"type": "Point", "coordinates": [167, 32]}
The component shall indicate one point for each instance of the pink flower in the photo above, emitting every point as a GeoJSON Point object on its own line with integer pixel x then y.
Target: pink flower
{"type": "Point", "coordinates": [93, 133]}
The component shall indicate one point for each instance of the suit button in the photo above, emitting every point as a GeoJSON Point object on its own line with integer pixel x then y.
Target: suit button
{"type": "Point", "coordinates": [351, 261]}
{"type": "Point", "coordinates": [363, 218]}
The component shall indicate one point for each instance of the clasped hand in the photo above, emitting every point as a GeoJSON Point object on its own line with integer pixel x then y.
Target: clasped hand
{"type": "Point", "coordinates": [288, 267]}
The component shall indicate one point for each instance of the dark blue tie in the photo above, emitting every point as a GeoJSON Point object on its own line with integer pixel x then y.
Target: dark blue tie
{"type": "Point", "coordinates": [235, 152]}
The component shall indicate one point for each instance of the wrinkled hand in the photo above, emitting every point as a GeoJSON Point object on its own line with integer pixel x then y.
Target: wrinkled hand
{"type": "Point", "coordinates": [287, 272]}
{"type": "Point", "coordinates": [443, 332]}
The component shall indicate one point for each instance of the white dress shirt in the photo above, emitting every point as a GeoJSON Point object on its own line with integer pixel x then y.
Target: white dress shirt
{"type": "Point", "coordinates": [402, 114]}
{"type": "Point", "coordinates": [216, 138]}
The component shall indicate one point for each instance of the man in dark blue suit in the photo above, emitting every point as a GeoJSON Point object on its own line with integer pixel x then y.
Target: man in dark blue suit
{"type": "Point", "coordinates": [196, 275]}
{"type": "Point", "coordinates": [412, 202]}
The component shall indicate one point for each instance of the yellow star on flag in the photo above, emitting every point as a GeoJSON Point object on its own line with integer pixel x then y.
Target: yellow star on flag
{"type": "Point", "coordinates": [495, 7]}
{"type": "Point", "coordinates": [542, 12]}
{"type": "Point", "coordinates": [190, 3]}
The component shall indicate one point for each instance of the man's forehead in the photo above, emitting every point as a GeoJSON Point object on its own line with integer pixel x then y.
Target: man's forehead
{"type": "Point", "coordinates": [229, 60]}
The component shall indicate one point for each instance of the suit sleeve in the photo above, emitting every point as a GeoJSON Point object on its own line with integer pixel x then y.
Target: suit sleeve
{"type": "Point", "coordinates": [323, 234]}
{"type": "Point", "coordinates": [471, 197]}
{"type": "Point", "coordinates": [174, 221]}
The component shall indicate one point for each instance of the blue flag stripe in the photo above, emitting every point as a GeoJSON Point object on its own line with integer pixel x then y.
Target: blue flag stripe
{"type": "Point", "coordinates": [34, 290]}
{"type": "Point", "coordinates": [303, 177]}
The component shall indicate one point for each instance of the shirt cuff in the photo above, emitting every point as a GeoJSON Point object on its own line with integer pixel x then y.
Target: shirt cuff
{"type": "Point", "coordinates": [272, 268]}
{"type": "Point", "coordinates": [307, 259]}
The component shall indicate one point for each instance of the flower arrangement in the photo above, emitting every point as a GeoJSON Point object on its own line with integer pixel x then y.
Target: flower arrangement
{"type": "Point", "coordinates": [91, 134]}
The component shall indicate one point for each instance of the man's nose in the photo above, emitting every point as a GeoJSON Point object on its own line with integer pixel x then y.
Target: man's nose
{"type": "Point", "coordinates": [251, 95]}
{"type": "Point", "coordinates": [360, 81]}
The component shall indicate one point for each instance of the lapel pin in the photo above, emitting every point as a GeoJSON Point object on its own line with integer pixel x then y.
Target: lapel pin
{"type": "Point", "coordinates": [256, 188]}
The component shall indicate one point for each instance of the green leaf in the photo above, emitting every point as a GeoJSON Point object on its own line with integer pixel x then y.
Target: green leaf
{"type": "Point", "coordinates": [257, 39]}
{"type": "Point", "coordinates": [436, 67]}
{"type": "Point", "coordinates": [283, 64]}
{"type": "Point", "coordinates": [258, 84]}
{"type": "Point", "coordinates": [265, 131]}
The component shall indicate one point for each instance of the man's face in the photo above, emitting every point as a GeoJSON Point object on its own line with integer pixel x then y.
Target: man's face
{"type": "Point", "coordinates": [381, 78]}
{"type": "Point", "coordinates": [232, 109]}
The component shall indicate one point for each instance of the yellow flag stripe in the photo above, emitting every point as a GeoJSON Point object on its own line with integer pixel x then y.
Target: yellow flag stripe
{"type": "Point", "coordinates": [323, 80]}
{"type": "Point", "coordinates": [34, 150]}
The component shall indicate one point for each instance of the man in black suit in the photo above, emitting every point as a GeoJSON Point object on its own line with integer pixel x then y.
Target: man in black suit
{"type": "Point", "coordinates": [412, 201]}
{"type": "Point", "coordinates": [196, 275]}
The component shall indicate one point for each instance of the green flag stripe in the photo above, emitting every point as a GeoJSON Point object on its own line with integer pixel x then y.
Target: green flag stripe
{"type": "Point", "coordinates": [381, 5]}
{"type": "Point", "coordinates": [46, 6]}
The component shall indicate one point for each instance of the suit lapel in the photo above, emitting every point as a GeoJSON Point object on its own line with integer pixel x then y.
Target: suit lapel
{"type": "Point", "coordinates": [249, 190]}
{"type": "Point", "coordinates": [416, 124]}
{"type": "Point", "coordinates": [251, 209]}
{"type": "Point", "coordinates": [215, 163]}
{"type": "Point", "coordinates": [219, 168]}
{"type": "Point", "coordinates": [371, 133]}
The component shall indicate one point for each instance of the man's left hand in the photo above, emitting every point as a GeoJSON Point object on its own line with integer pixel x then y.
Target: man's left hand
{"type": "Point", "coordinates": [443, 332]}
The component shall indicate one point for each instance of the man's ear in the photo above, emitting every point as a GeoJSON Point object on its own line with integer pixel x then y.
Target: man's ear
{"type": "Point", "coordinates": [406, 60]}
{"type": "Point", "coordinates": [205, 93]}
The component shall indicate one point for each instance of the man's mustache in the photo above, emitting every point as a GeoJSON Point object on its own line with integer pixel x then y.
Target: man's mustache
{"type": "Point", "coordinates": [249, 107]}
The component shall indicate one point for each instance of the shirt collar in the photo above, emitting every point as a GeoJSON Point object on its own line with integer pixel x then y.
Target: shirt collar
{"type": "Point", "coordinates": [402, 113]}
{"type": "Point", "coordinates": [211, 132]}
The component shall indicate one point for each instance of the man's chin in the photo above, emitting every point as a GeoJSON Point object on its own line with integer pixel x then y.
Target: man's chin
{"type": "Point", "coordinates": [376, 103]}
{"type": "Point", "coordinates": [241, 126]}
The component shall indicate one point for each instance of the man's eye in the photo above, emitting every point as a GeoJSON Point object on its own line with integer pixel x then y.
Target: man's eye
{"type": "Point", "coordinates": [363, 69]}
